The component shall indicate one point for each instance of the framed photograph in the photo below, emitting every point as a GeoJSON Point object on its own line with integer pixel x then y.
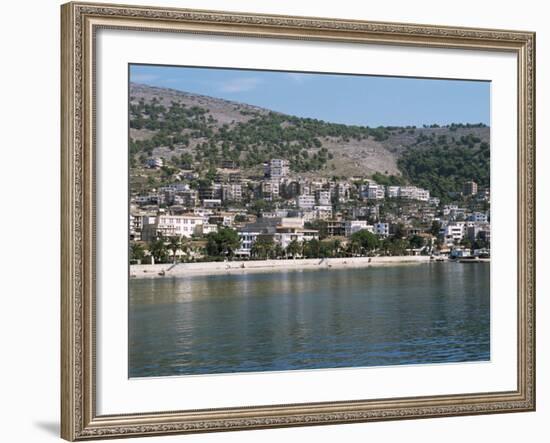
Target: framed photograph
{"type": "Point", "coordinates": [283, 221]}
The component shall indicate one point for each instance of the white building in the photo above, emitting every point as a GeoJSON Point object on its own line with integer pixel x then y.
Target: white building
{"type": "Point", "coordinates": [478, 230]}
{"type": "Point", "coordinates": [480, 217]}
{"type": "Point", "coordinates": [353, 226]}
{"type": "Point", "coordinates": [212, 202]}
{"type": "Point", "coordinates": [136, 226]}
{"type": "Point", "coordinates": [372, 191]}
{"type": "Point", "coordinates": [283, 229]}
{"type": "Point", "coordinates": [155, 163]}
{"type": "Point", "coordinates": [172, 226]}
{"type": "Point", "coordinates": [232, 192]}
{"type": "Point", "coordinates": [207, 228]}
{"type": "Point", "coordinates": [277, 168]}
{"type": "Point", "coordinates": [322, 197]}
{"type": "Point", "coordinates": [342, 192]}
{"type": "Point", "coordinates": [422, 194]}
{"type": "Point", "coordinates": [305, 201]}
{"type": "Point", "coordinates": [408, 193]}
{"type": "Point", "coordinates": [270, 189]}
{"type": "Point", "coordinates": [323, 212]}
{"type": "Point", "coordinates": [460, 253]}
{"type": "Point", "coordinates": [151, 199]}
{"type": "Point", "coordinates": [382, 229]}
{"type": "Point", "coordinates": [453, 232]}
{"type": "Point", "coordinates": [393, 191]}
{"type": "Point", "coordinates": [285, 235]}
{"type": "Point", "coordinates": [247, 238]}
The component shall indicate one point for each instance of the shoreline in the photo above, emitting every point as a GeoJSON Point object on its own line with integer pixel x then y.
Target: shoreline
{"type": "Point", "coordinates": [241, 267]}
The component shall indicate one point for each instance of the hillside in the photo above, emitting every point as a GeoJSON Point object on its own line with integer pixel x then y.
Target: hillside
{"type": "Point", "coordinates": [189, 129]}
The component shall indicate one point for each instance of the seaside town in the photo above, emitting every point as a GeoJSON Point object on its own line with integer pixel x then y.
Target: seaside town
{"type": "Point", "coordinates": [230, 216]}
{"type": "Point", "coordinates": [272, 229]}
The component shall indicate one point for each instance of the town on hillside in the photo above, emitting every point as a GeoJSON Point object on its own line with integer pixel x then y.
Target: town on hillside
{"type": "Point", "coordinates": [282, 214]}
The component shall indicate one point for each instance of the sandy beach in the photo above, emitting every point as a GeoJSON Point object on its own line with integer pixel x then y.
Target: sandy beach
{"type": "Point", "coordinates": [235, 267]}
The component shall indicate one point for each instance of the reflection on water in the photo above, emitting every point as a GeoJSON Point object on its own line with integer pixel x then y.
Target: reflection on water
{"type": "Point", "coordinates": [391, 315]}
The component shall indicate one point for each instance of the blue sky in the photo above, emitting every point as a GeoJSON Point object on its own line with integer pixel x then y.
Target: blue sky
{"type": "Point", "coordinates": [350, 99]}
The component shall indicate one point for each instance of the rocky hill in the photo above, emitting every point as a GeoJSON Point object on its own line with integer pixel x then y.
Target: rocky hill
{"type": "Point", "coordinates": [189, 129]}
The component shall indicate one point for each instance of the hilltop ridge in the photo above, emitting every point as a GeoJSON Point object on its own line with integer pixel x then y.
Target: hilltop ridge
{"type": "Point", "coordinates": [186, 128]}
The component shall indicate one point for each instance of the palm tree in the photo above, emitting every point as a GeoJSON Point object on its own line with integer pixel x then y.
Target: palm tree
{"type": "Point", "coordinates": [294, 248]}
{"type": "Point", "coordinates": [174, 245]}
{"type": "Point", "coordinates": [336, 247]}
{"type": "Point", "coordinates": [354, 247]}
{"type": "Point", "coordinates": [137, 251]}
{"type": "Point", "coordinates": [158, 250]}
{"type": "Point", "coordinates": [185, 247]}
{"type": "Point", "coordinates": [278, 251]}
{"type": "Point", "coordinates": [263, 247]}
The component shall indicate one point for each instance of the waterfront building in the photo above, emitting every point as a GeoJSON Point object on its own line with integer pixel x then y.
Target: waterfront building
{"type": "Point", "coordinates": [453, 232]}
{"type": "Point", "coordinates": [136, 225]}
{"type": "Point", "coordinates": [382, 229]}
{"type": "Point", "coordinates": [166, 225]}
{"type": "Point", "coordinates": [460, 253]}
{"type": "Point", "coordinates": [284, 235]}
{"type": "Point", "coordinates": [282, 230]}
{"type": "Point", "coordinates": [353, 226]}
{"type": "Point", "coordinates": [336, 228]}
{"type": "Point", "coordinates": [481, 231]}
{"type": "Point", "coordinates": [247, 237]}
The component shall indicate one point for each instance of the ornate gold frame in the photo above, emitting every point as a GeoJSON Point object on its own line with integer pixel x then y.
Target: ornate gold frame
{"type": "Point", "coordinates": [79, 420]}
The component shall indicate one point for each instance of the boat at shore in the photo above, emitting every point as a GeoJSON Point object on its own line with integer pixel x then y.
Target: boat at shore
{"type": "Point", "coordinates": [474, 260]}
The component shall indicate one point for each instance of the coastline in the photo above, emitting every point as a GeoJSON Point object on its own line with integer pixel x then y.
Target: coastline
{"type": "Point", "coordinates": [240, 267]}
